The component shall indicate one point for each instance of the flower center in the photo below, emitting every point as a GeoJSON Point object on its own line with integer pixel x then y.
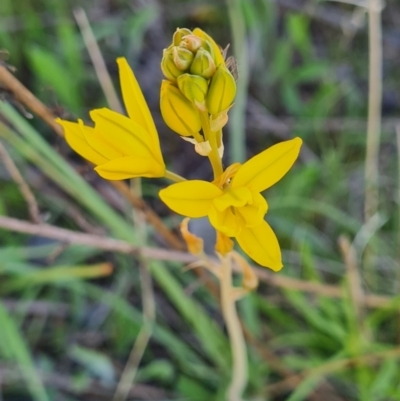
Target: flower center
{"type": "Point", "coordinates": [237, 208]}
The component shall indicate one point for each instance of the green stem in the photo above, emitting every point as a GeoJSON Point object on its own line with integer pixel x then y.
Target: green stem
{"type": "Point", "coordinates": [173, 177]}
{"type": "Point", "coordinates": [236, 338]}
{"type": "Point", "coordinates": [211, 137]}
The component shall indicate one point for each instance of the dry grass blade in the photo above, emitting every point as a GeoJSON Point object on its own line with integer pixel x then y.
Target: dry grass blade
{"type": "Point", "coordinates": [111, 244]}
{"type": "Point", "coordinates": [97, 60]}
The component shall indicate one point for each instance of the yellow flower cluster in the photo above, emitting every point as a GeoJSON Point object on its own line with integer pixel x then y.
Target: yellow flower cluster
{"type": "Point", "coordinates": [194, 100]}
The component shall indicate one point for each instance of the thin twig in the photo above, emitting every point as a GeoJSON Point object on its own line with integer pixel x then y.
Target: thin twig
{"type": "Point", "coordinates": [374, 109]}
{"type": "Point", "coordinates": [97, 59]}
{"type": "Point", "coordinates": [22, 185]}
{"type": "Point", "coordinates": [28, 99]}
{"type": "Point", "coordinates": [110, 244]}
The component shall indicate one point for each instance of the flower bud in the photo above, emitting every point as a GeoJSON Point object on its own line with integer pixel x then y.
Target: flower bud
{"type": "Point", "coordinates": [203, 64]}
{"type": "Point", "coordinates": [194, 88]}
{"type": "Point", "coordinates": [182, 58]}
{"type": "Point", "coordinates": [213, 47]}
{"type": "Point", "coordinates": [168, 67]}
{"type": "Point", "coordinates": [177, 111]}
{"type": "Point", "coordinates": [179, 34]}
{"type": "Point", "coordinates": [221, 92]}
{"type": "Point", "coordinates": [192, 43]}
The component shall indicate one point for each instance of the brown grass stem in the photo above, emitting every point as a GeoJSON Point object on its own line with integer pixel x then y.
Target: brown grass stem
{"type": "Point", "coordinates": [21, 183]}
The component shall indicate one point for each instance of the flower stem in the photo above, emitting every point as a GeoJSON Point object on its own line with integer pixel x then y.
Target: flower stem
{"type": "Point", "coordinates": [235, 332]}
{"type": "Point", "coordinates": [211, 137]}
{"type": "Point", "coordinates": [173, 177]}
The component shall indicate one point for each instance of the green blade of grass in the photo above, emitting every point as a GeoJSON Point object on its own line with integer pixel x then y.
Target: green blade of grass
{"type": "Point", "coordinates": [210, 335]}
{"type": "Point", "coordinates": [13, 340]}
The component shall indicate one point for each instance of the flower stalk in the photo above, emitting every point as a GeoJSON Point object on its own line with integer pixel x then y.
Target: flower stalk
{"type": "Point", "coordinates": [238, 345]}
{"type": "Point", "coordinates": [173, 176]}
{"type": "Point", "coordinates": [211, 137]}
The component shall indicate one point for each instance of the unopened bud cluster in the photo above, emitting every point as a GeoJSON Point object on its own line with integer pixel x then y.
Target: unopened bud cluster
{"type": "Point", "coordinates": [198, 81]}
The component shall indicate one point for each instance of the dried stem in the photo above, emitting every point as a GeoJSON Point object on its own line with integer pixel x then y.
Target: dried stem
{"type": "Point", "coordinates": [111, 244]}
{"type": "Point", "coordinates": [349, 255]}
{"type": "Point", "coordinates": [22, 185]}
{"type": "Point", "coordinates": [235, 332]}
{"type": "Point", "coordinates": [98, 61]}
{"type": "Point", "coordinates": [28, 99]}
{"type": "Point", "coordinates": [374, 109]}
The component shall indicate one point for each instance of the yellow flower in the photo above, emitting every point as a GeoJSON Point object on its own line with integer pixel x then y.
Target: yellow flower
{"type": "Point", "coordinates": [121, 147]}
{"type": "Point", "coordinates": [233, 202]}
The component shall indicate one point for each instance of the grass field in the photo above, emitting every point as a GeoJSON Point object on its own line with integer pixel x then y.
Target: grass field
{"type": "Point", "coordinates": [94, 294]}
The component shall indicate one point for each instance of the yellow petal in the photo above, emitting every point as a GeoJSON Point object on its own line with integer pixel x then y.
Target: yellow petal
{"type": "Point", "coordinates": [178, 112]}
{"type": "Point", "coordinates": [236, 198]}
{"type": "Point", "coordinates": [254, 214]}
{"type": "Point", "coordinates": [217, 52]}
{"type": "Point", "coordinates": [134, 100]}
{"type": "Point", "coordinates": [101, 143]}
{"type": "Point", "coordinates": [226, 221]}
{"type": "Point", "coordinates": [227, 175]}
{"type": "Point", "coordinates": [190, 198]}
{"type": "Point", "coordinates": [261, 244]}
{"type": "Point", "coordinates": [119, 135]}
{"type": "Point", "coordinates": [129, 167]}
{"type": "Point", "coordinates": [268, 167]}
{"type": "Point", "coordinates": [76, 140]}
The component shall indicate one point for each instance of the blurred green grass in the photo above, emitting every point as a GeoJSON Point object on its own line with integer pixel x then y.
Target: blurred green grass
{"type": "Point", "coordinates": [295, 65]}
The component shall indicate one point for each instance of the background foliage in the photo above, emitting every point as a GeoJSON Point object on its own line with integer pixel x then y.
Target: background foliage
{"type": "Point", "coordinates": [315, 333]}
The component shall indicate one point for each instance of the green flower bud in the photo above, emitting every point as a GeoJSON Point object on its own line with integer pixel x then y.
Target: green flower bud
{"type": "Point", "coordinates": [179, 34]}
{"type": "Point", "coordinates": [221, 92]}
{"type": "Point", "coordinates": [168, 67]}
{"type": "Point", "coordinates": [194, 88]}
{"type": "Point", "coordinates": [178, 112]}
{"type": "Point", "coordinates": [182, 58]}
{"type": "Point", "coordinates": [203, 64]}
